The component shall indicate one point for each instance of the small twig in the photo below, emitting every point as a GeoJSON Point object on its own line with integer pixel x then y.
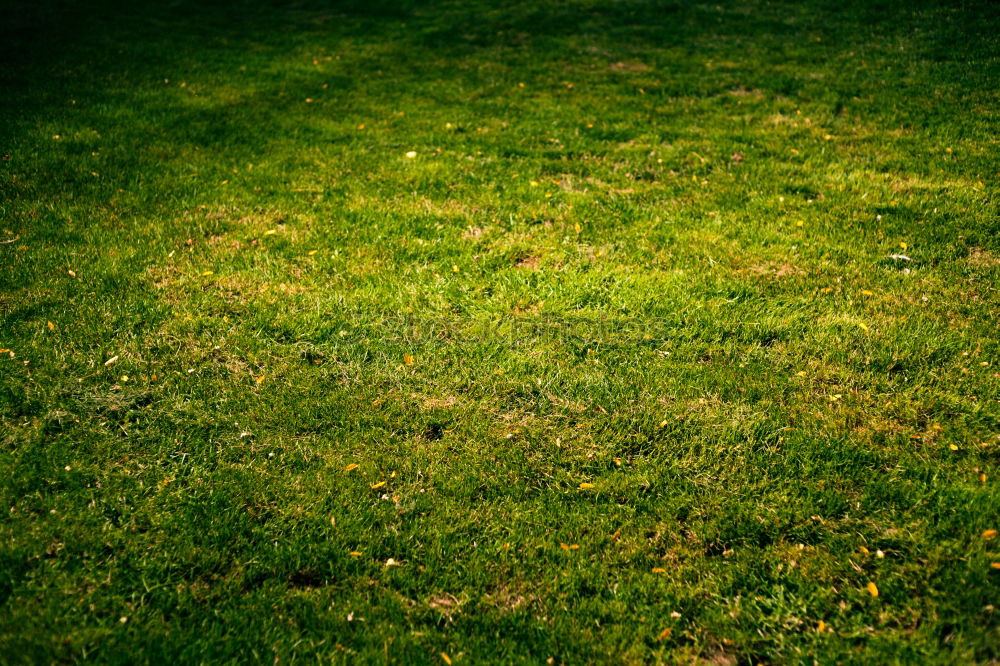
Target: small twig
{"type": "Point", "coordinates": [12, 240]}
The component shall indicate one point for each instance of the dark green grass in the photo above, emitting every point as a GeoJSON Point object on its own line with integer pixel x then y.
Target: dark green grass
{"type": "Point", "coordinates": [642, 245]}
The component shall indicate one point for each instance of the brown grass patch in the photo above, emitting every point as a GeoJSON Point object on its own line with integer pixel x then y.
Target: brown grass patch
{"type": "Point", "coordinates": [633, 66]}
{"type": "Point", "coordinates": [529, 261]}
{"type": "Point", "coordinates": [980, 258]}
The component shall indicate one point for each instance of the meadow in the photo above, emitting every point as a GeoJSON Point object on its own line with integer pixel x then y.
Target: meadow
{"type": "Point", "coordinates": [566, 332]}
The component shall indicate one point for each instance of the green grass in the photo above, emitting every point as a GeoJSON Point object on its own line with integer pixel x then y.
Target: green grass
{"type": "Point", "coordinates": [642, 245]}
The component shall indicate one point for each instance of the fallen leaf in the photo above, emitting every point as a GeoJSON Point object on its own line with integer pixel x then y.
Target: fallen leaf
{"type": "Point", "coordinates": [51, 326]}
{"type": "Point", "coordinates": [586, 486]}
{"type": "Point", "coordinates": [408, 359]}
{"type": "Point", "coordinates": [110, 361]}
{"type": "Point", "coordinates": [989, 534]}
{"type": "Point", "coordinates": [873, 589]}
{"type": "Point", "coordinates": [445, 658]}
{"type": "Point", "coordinates": [659, 570]}
{"type": "Point", "coordinates": [351, 467]}
{"type": "Point", "coordinates": [376, 486]}
{"type": "Point", "coordinates": [665, 634]}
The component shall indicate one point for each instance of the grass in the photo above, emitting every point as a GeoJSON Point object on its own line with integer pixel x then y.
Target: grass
{"type": "Point", "coordinates": [618, 367]}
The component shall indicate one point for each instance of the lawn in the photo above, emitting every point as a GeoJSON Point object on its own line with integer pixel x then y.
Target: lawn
{"type": "Point", "coordinates": [454, 332]}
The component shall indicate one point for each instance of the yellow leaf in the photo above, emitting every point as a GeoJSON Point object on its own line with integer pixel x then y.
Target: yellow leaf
{"type": "Point", "coordinates": [408, 359]}
{"type": "Point", "coordinates": [351, 467]}
{"type": "Point", "coordinates": [995, 565]}
{"type": "Point", "coordinates": [577, 227]}
{"type": "Point", "coordinates": [903, 245]}
{"type": "Point", "coordinates": [953, 447]}
{"type": "Point", "coordinates": [312, 252]}
{"type": "Point", "coordinates": [376, 486]}
{"type": "Point", "coordinates": [270, 232]}
{"type": "Point", "coordinates": [664, 635]}
{"type": "Point", "coordinates": [989, 534]}
{"type": "Point", "coordinates": [982, 477]}
{"type": "Point", "coordinates": [355, 553]}
{"type": "Point", "coordinates": [826, 290]}
{"type": "Point", "coordinates": [564, 546]}
{"type": "Point", "coordinates": [51, 326]}
{"type": "Point", "coordinates": [586, 486]}
{"type": "Point", "coordinates": [873, 589]}
{"type": "Point", "coordinates": [801, 373]}
{"type": "Point", "coordinates": [207, 273]}
{"type": "Point", "coordinates": [867, 292]}
{"type": "Point", "coordinates": [863, 327]}
{"type": "Point", "coordinates": [821, 627]}
{"type": "Point", "coordinates": [663, 423]}
{"type": "Point", "coordinates": [659, 570]}
{"type": "Point", "coordinates": [446, 658]}
{"type": "Point", "coordinates": [259, 379]}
